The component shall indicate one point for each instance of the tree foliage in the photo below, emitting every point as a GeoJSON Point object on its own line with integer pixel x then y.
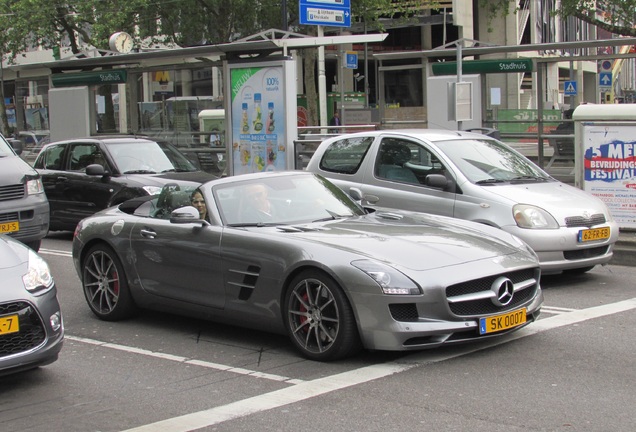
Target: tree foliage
{"type": "Point", "coordinates": [615, 16]}
{"type": "Point", "coordinates": [80, 25]}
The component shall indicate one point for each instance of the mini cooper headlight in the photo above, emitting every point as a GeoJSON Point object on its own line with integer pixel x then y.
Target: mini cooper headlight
{"type": "Point", "coordinates": [37, 279]}
{"type": "Point", "coordinates": [390, 280]}
{"type": "Point", "coordinates": [529, 216]}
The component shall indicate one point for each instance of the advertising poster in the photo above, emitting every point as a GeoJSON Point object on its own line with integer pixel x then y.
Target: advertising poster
{"type": "Point", "coordinates": [258, 119]}
{"type": "Point", "coordinates": [610, 169]}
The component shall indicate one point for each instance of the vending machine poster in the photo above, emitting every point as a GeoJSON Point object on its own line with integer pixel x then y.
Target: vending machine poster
{"type": "Point", "coordinates": [258, 119]}
{"type": "Point", "coordinates": [610, 169]}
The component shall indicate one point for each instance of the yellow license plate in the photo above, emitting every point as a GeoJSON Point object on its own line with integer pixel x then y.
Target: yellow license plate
{"type": "Point", "coordinates": [594, 234]}
{"type": "Point", "coordinates": [502, 322]}
{"type": "Point", "coordinates": [8, 227]}
{"type": "Point", "coordinates": [9, 324]}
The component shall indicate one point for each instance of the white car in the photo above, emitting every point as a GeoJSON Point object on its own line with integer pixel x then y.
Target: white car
{"type": "Point", "coordinates": [475, 177]}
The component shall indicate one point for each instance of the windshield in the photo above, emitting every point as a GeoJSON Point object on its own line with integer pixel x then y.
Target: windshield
{"type": "Point", "coordinates": [488, 160]}
{"type": "Point", "coordinates": [148, 157]}
{"type": "Point", "coordinates": [283, 200]}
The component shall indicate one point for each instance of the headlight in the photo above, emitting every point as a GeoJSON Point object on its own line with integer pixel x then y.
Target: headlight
{"type": "Point", "coordinates": [152, 190]}
{"type": "Point", "coordinates": [34, 186]}
{"type": "Point", "coordinates": [390, 280]}
{"type": "Point", "coordinates": [38, 279]}
{"type": "Point", "coordinates": [529, 216]}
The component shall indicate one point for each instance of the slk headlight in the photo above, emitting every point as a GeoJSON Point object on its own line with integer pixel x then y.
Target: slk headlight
{"type": "Point", "coordinates": [529, 216]}
{"type": "Point", "coordinates": [37, 279]}
{"type": "Point", "coordinates": [391, 281]}
{"type": "Point", "coordinates": [34, 186]}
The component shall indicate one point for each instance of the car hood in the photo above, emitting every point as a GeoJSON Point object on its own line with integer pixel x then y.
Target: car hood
{"type": "Point", "coordinates": [13, 170]}
{"type": "Point", "coordinates": [415, 241]}
{"type": "Point", "coordinates": [559, 199]}
{"type": "Point", "coordinates": [197, 177]}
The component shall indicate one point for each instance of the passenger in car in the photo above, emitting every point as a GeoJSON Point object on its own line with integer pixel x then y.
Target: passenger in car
{"type": "Point", "coordinates": [255, 205]}
{"type": "Point", "coordinates": [199, 203]}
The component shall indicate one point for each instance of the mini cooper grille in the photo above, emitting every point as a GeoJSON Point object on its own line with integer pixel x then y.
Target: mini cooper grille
{"type": "Point", "coordinates": [485, 305]}
{"type": "Point", "coordinates": [31, 334]}
{"type": "Point", "coordinates": [11, 192]}
{"type": "Point", "coordinates": [406, 312]}
{"type": "Point", "coordinates": [580, 221]}
{"type": "Point", "coordinates": [585, 253]}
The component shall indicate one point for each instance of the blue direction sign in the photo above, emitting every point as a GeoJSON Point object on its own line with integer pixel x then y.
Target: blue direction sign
{"type": "Point", "coordinates": [605, 79]}
{"type": "Point", "coordinates": [569, 88]}
{"type": "Point", "coordinates": [339, 3]}
{"type": "Point", "coordinates": [352, 60]}
{"type": "Point", "coordinates": [325, 12]}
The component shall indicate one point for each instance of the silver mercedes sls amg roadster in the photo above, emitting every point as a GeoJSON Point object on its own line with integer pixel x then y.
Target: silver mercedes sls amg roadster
{"type": "Point", "coordinates": [289, 252]}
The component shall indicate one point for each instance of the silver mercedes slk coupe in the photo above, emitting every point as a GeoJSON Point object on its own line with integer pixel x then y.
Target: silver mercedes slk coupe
{"type": "Point", "coordinates": [289, 252]}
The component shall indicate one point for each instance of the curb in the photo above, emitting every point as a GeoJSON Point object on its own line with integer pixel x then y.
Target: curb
{"type": "Point", "coordinates": [625, 250]}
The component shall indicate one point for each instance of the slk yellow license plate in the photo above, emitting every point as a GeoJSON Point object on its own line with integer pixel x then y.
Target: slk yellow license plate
{"type": "Point", "coordinates": [8, 227]}
{"type": "Point", "coordinates": [9, 324]}
{"type": "Point", "coordinates": [594, 234]}
{"type": "Point", "coordinates": [502, 322]}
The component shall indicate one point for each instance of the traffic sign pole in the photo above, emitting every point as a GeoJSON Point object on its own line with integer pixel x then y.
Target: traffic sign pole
{"type": "Point", "coordinates": [325, 12]}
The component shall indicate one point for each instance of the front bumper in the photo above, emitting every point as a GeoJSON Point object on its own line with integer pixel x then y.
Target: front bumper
{"type": "Point", "coordinates": [35, 325]}
{"type": "Point", "coordinates": [559, 249]}
{"type": "Point", "coordinates": [400, 323]}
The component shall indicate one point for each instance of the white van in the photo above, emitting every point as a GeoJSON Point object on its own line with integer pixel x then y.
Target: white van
{"type": "Point", "coordinates": [24, 208]}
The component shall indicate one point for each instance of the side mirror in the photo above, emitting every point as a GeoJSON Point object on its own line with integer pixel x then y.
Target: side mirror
{"type": "Point", "coordinates": [187, 214]}
{"type": "Point", "coordinates": [436, 181]}
{"type": "Point", "coordinates": [16, 144]}
{"type": "Point", "coordinates": [95, 170]}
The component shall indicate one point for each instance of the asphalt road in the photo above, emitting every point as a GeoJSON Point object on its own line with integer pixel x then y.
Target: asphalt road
{"type": "Point", "coordinates": [573, 370]}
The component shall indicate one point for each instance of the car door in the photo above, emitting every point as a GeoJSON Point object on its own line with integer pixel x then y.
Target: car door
{"type": "Point", "coordinates": [398, 178]}
{"type": "Point", "coordinates": [81, 194]}
{"type": "Point", "coordinates": [179, 261]}
{"type": "Point", "coordinates": [49, 164]}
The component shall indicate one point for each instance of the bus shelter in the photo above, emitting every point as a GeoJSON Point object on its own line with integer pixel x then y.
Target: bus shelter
{"type": "Point", "coordinates": [472, 61]}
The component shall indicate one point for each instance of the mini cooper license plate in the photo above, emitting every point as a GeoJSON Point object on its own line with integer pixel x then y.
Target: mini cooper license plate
{"type": "Point", "coordinates": [594, 234]}
{"type": "Point", "coordinates": [8, 227]}
{"type": "Point", "coordinates": [502, 322]}
{"type": "Point", "coordinates": [9, 324]}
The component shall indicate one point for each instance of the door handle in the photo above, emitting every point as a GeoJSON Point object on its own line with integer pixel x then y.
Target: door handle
{"type": "Point", "coordinates": [148, 233]}
{"type": "Point", "coordinates": [371, 199]}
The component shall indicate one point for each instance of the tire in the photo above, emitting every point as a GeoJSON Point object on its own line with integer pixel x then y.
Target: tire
{"type": "Point", "coordinates": [105, 285]}
{"type": "Point", "coordinates": [319, 318]}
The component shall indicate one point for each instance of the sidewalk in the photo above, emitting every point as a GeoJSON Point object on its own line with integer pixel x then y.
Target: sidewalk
{"type": "Point", "coordinates": [625, 248]}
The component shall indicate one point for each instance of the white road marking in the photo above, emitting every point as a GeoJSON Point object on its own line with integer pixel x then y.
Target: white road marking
{"type": "Point", "coordinates": [180, 359]}
{"type": "Point", "coordinates": [556, 309]}
{"type": "Point", "coordinates": [306, 390]}
{"type": "Point", "coordinates": [55, 252]}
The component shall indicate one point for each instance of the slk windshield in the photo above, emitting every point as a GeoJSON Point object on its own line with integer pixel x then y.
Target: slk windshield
{"type": "Point", "coordinates": [283, 200]}
{"type": "Point", "coordinates": [488, 161]}
{"type": "Point", "coordinates": [148, 157]}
